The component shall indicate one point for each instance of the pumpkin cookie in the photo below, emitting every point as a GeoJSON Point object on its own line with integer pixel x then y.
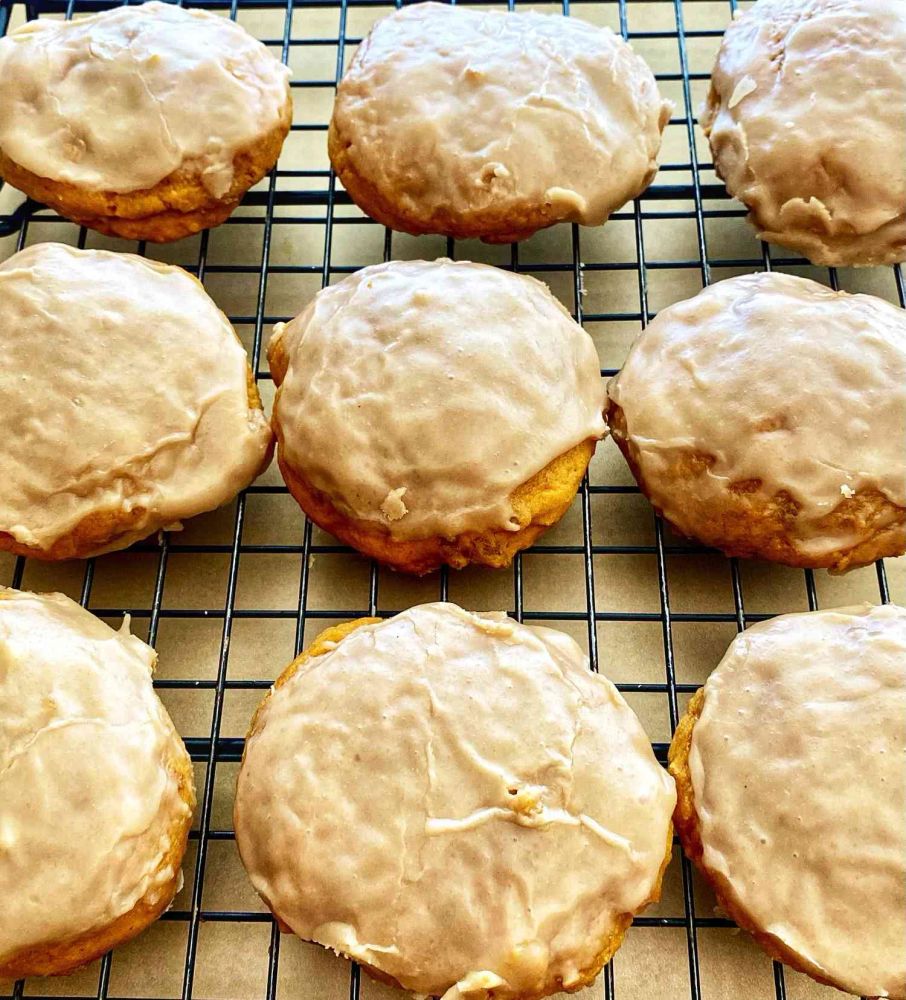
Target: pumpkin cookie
{"type": "Point", "coordinates": [127, 402]}
{"type": "Point", "coordinates": [147, 122]}
{"type": "Point", "coordinates": [766, 415]}
{"type": "Point", "coordinates": [789, 772]}
{"type": "Point", "coordinates": [96, 787]}
{"type": "Point", "coordinates": [431, 413]}
{"type": "Point", "coordinates": [489, 124]}
{"type": "Point", "coordinates": [805, 118]}
{"type": "Point", "coordinates": [393, 807]}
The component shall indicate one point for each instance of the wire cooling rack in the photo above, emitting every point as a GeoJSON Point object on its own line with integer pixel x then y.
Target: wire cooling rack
{"type": "Point", "coordinates": [231, 599]}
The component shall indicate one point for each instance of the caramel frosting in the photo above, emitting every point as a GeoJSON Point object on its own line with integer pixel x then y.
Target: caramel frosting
{"type": "Point", "coordinates": [455, 800]}
{"type": "Point", "coordinates": [778, 379]}
{"type": "Point", "coordinates": [419, 395]}
{"type": "Point", "coordinates": [797, 766]}
{"type": "Point", "coordinates": [120, 100]}
{"type": "Point", "coordinates": [89, 803]}
{"type": "Point", "coordinates": [448, 109]}
{"type": "Point", "coordinates": [124, 391]}
{"type": "Point", "coordinates": [806, 123]}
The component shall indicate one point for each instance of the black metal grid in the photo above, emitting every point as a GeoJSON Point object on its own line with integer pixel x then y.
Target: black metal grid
{"type": "Point", "coordinates": [300, 197]}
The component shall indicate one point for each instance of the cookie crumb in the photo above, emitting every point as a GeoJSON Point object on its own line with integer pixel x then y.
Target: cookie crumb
{"type": "Point", "coordinates": [393, 507]}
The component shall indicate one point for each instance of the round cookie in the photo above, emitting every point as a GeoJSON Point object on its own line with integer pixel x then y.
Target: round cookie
{"type": "Point", "coordinates": [147, 122]}
{"type": "Point", "coordinates": [765, 417]}
{"type": "Point", "coordinates": [96, 787]}
{"type": "Point", "coordinates": [433, 412]}
{"type": "Point", "coordinates": [789, 772]}
{"type": "Point", "coordinates": [127, 402]}
{"type": "Point", "coordinates": [489, 124]}
{"type": "Point", "coordinates": [805, 118]}
{"type": "Point", "coordinates": [391, 807]}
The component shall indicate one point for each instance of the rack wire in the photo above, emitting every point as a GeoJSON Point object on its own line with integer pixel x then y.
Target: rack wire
{"type": "Point", "coordinates": [686, 192]}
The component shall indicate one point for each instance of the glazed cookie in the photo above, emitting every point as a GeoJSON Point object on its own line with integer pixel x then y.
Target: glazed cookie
{"type": "Point", "coordinates": [805, 118]}
{"type": "Point", "coordinates": [789, 771]}
{"type": "Point", "coordinates": [440, 847]}
{"type": "Point", "coordinates": [96, 787]}
{"type": "Point", "coordinates": [147, 122]}
{"type": "Point", "coordinates": [127, 402]}
{"type": "Point", "coordinates": [489, 124]}
{"type": "Point", "coordinates": [435, 412]}
{"type": "Point", "coordinates": [766, 415]}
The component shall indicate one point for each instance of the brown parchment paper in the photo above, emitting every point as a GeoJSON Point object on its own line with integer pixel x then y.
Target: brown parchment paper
{"type": "Point", "coordinates": [232, 956]}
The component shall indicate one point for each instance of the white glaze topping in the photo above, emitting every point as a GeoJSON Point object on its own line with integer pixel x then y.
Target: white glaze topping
{"type": "Point", "coordinates": [780, 379]}
{"type": "Point", "coordinates": [420, 395]}
{"type": "Point", "coordinates": [454, 799]}
{"type": "Point", "coordinates": [87, 803]}
{"type": "Point", "coordinates": [798, 764]}
{"type": "Point", "coordinates": [447, 107]}
{"type": "Point", "coordinates": [119, 100]}
{"type": "Point", "coordinates": [806, 123]}
{"type": "Point", "coordinates": [122, 387]}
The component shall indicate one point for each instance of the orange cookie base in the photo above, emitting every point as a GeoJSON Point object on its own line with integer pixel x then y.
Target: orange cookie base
{"type": "Point", "coordinates": [176, 207]}
{"type": "Point", "coordinates": [324, 643]}
{"type": "Point", "coordinates": [753, 524]}
{"type": "Point", "coordinates": [537, 504]}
